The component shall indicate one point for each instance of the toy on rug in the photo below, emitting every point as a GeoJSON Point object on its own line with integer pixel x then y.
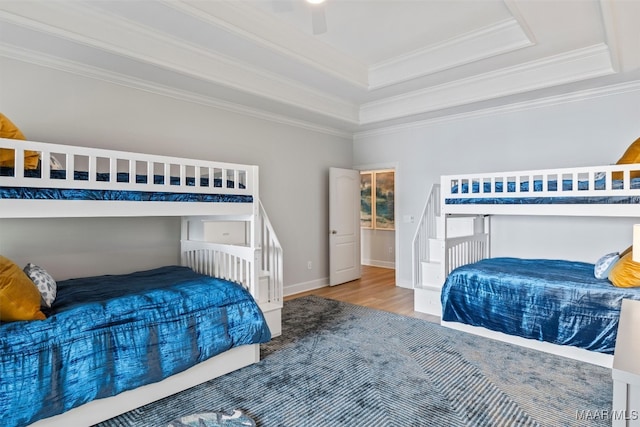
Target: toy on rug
{"type": "Point", "coordinates": [235, 418]}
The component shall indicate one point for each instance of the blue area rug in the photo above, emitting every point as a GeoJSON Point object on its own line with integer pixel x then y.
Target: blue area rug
{"type": "Point", "coordinates": [338, 364]}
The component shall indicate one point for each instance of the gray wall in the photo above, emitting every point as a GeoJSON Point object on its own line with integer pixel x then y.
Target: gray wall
{"type": "Point", "coordinates": [378, 248]}
{"type": "Point", "coordinates": [559, 133]}
{"type": "Point", "coordinates": [58, 107]}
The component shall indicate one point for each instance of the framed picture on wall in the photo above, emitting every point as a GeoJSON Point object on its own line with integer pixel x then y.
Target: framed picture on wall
{"type": "Point", "coordinates": [384, 200]}
{"type": "Point", "coordinates": [366, 192]}
{"type": "Point", "coordinates": [377, 199]}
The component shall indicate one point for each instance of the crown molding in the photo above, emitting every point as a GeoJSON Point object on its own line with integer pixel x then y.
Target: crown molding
{"type": "Point", "coordinates": [501, 37]}
{"type": "Point", "coordinates": [512, 6]}
{"type": "Point", "coordinates": [608, 22]}
{"type": "Point", "coordinates": [576, 65]}
{"type": "Point", "coordinates": [550, 101]}
{"type": "Point", "coordinates": [265, 31]}
{"type": "Point", "coordinates": [44, 60]}
{"type": "Point", "coordinates": [85, 25]}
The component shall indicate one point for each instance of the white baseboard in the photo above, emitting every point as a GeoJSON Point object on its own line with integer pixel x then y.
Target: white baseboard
{"type": "Point", "coordinates": [305, 286]}
{"type": "Point", "coordinates": [404, 284]}
{"type": "Point", "coordinates": [377, 263]}
{"type": "Point", "coordinates": [297, 288]}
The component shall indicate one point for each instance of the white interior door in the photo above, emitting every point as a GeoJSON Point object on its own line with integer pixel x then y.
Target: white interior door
{"type": "Point", "coordinates": [344, 225]}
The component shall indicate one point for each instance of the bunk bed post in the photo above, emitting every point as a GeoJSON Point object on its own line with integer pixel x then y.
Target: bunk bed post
{"type": "Point", "coordinates": [626, 369]}
{"type": "Point", "coordinates": [255, 275]}
{"type": "Point", "coordinates": [487, 232]}
{"type": "Point", "coordinates": [444, 250]}
{"type": "Point", "coordinates": [255, 236]}
{"type": "Point", "coordinates": [184, 236]}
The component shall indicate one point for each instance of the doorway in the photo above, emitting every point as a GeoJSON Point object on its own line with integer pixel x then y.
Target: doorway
{"type": "Point", "coordinates": [377, 217]}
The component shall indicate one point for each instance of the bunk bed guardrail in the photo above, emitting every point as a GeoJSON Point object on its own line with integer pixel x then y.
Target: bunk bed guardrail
{"type": "Point", "coordinates": [111, 169]}
{"type": "Point", "coordinates": [577, 181]}
{"type": "Point", "coordinates": [610, 190]}
{"type": "Point", "coordinates": [230, 262]}
{"type": "Point", "coordinates": [464, 250]}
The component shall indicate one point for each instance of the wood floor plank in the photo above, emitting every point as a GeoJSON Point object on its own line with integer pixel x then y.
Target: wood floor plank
{"type": "Point", "coordinates": [375, 289]}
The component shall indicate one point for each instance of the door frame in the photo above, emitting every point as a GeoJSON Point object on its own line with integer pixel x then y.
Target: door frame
{"type": "Point", "coordinates": [396, 167]}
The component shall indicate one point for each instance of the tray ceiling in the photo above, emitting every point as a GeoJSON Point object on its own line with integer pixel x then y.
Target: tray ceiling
{"type": "Point", "coordinates": [380, 63]}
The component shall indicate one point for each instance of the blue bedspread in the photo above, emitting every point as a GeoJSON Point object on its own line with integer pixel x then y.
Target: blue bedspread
{"type": "Point", "coordinates": [547, 300]}
{"type": "Point", "coordinates": [108, 334]}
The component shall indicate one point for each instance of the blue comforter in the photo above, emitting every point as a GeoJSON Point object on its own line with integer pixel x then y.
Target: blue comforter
{"type": "Point", "coordinates": [108, 334]}
{"type": "Point", "coordinates": [547, 300]}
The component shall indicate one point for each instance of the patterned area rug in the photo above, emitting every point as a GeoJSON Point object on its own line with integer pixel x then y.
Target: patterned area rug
{"type": "Point", "coordinates": [338, 364]}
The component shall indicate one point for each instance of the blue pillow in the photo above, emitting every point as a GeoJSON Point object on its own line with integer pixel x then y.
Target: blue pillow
{"type": "Point", "coordinates": [605, 264]}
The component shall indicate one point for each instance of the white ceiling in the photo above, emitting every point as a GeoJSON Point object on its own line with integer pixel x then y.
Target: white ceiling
{"type": "Point", "coordinates": [380, 63]}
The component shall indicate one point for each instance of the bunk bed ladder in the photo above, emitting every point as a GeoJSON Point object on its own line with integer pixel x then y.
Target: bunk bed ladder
{"type": "Point", "coordinates": [428, 248]}
{"type": "Point", "coordinates": [270, 274]}
{"type": "Point", "coordinates": [440, 244]}
{"type": "Point", "coordinates": [427, 229]}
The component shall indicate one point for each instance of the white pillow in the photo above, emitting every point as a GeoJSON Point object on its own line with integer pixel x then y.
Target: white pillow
{"type": "Point", "coordinates": [55, 164]}
{"type": "Point", "coordinates": [605, 264]}
{"type": "Point", "coordinates": [44, 282]}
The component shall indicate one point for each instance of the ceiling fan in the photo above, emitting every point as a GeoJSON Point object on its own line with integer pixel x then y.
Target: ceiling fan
{"type": "Point", "coordinates": [317, 8]}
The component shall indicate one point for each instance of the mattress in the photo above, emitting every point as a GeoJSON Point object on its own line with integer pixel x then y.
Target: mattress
{"type": "Point", "coordinates": [556, 301]}
{"type": "Point", "coordinates": [108, 334]}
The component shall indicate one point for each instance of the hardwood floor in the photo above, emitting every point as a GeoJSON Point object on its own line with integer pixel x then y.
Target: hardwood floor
{"type": "Point", "coordinates": [376, 289]}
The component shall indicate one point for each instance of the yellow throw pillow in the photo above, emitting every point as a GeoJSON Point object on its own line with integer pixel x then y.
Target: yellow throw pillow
{"type": "Point", "coordinates": [10, 131]}
{"type": "Point", "coordinates": [631, 155]}
{"type": "Point", "coordinates": [625, 273]}
{"type": "Point", "coordinates": [19, 296]}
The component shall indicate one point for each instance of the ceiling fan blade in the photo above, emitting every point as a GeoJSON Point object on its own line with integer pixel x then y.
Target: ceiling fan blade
{"type": "Point", "coordinates": [318, 19]}
{"type": "Point", "coordinates": [280, 6]}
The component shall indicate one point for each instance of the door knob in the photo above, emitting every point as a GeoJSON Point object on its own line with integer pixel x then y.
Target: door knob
{"type": "Point", "coordinates": [334, 231]}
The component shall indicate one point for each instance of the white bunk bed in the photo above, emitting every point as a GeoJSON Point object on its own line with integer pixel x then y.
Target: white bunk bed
{"type": "Point", "coordinates": [200, 192]}
{"type": "Point", "coordinates": [441, 245]}
{"type": "Point", "coordinates": [599, 191]}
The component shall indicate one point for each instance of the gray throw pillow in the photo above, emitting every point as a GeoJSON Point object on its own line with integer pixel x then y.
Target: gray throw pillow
{"type": "Point", "coordinates": [45, 283]}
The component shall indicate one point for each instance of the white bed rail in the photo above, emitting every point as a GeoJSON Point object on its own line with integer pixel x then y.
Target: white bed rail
{"type": "Point", "coordinates": [464, 250]}
{"type": "Point", "coordinates": [223, 178]}
{"type": "Point", "coordinates": [591, 181]}
{"type": "Point", "coordinates": [98, 169]}
{"type": "Point", "coordinates": [231, 262]}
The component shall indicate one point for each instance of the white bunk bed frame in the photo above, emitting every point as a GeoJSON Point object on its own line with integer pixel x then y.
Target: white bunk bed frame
{"type": "Point", "coordinates": [463, 250]}
{"type": "Point", "coordinates": [257, 264]}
